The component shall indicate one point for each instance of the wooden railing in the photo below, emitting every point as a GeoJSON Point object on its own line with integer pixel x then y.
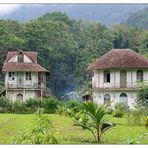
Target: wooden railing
{"type": "Point", "coordinates": [116, 85]}
{"type": "Point", "coordinates": [15, 86]}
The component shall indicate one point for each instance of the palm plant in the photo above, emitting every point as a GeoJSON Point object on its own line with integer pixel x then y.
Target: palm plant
{"type": "Point", "coordinates": [97, 122]}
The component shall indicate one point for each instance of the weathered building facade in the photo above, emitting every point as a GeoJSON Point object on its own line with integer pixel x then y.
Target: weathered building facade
{"type": "Point", "coordinates": [24, 77]}
{"type": "Point", "coordinates": [116, 76]}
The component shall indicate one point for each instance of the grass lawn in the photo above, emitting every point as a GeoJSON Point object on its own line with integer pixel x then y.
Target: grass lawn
{"type": "Point", "coordinates": [11, 124]}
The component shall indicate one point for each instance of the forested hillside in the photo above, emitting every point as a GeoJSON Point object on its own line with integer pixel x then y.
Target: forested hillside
{"type": "Point", "coordinates": [66, 46]}
{"type": "Point", "coordinates": [139, 19]}
{"type": "Point", "coordinates": [107, 14]}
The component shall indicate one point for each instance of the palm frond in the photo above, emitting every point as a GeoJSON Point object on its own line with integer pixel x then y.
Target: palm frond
{"type": "Point", "coordinates": [107, 125]}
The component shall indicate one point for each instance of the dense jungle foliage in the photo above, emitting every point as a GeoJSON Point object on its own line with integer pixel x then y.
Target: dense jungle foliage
{"type": "Point", "coordinates": [65, 46]}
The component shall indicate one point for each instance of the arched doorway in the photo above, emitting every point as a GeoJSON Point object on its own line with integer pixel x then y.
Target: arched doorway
{"type": "Point", "coordinates": [107, 99]}
{"type": "Point", "coordinates": [123, 98]}
{"type": "Point", "coordinates": [19, 97]}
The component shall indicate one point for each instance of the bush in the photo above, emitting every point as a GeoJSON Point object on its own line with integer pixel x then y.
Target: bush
{"type": "Point", "coordinates": [142, 95]}
{"type": "Point", "coordinates": [75, 105]}
{"type": "Point", "coordinates": [61, 110]}
{"type": "Point", "coordinates": [118, 114]}
{"type": "Point", "coordinates": [41, 132]}
{"type": "Point", "coordinates": [32, 104]}
{"type": "Point", "coordinates": [19, 107]}
{"type": "Point", "coordinates": [135, 118]}
{"type": "Point", "coordinates": [49, 105]}
{"type": "Point", "coordinates": [69, 112]}
{"type": "Point", "coordinates": [120, 109]}
{"type": "Point", "coordinates": [5, 105]}
{"type": "Point", "coordinates": [123, 107]}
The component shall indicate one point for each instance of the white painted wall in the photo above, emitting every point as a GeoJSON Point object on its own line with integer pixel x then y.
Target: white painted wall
{"type": "Point", "coordinates": [26, 59]}
{"type": "Point", "coordinates": [33, 82]}
{"type": "Point", "coordinates": [98, 97]}
{"type": "Point", "coordinates": [12, 94]}
{"type": "Point", "coordinates": [98, 78]}
{"type": "Point", "coordinates": [14, 59]}
{"type": "Point", "coordinates": [98, 83]}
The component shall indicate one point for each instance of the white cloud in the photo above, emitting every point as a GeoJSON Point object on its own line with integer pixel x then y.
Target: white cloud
{"type": "Point", "coordinates": [8, 8]}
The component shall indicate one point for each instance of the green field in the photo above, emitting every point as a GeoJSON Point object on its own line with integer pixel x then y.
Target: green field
{"type": "Point", "coordinates": [11, 124]}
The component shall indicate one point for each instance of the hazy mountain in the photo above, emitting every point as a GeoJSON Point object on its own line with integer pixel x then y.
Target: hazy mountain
{"type": "Point", "coordinates": [106, 13]}
{"type": "Point", "coordinates": [139, 19]}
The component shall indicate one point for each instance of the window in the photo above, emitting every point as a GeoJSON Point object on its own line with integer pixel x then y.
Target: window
{"type": "Point", "coordinates": [20, 57]}
{"type": "Point", "coordinates": [106, 99]}
{"type": "Point", "coordinates": [11, 76]}
{"type": "Point", "coordinates": [123, 98]}
{"type": "Point", "coordinates": [28, 76]}
{"type": "Point", "coordinates": [106, 76]}
{"type": "Point", "coordinates": [139, 75]}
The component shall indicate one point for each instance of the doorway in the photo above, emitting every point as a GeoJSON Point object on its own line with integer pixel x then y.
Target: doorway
{"type": "Point", "coordinates": [123, 79]}
{"type": "Point", "coordinates": [123, 98]}
{"type": "Point", "coordinates": [19, 97]}
{"type": "Point", "coordinates": [20, 79]}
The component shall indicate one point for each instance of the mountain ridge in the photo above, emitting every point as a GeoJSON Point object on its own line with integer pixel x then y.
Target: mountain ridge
{"type": "Point", "coordinates": [107, 14]}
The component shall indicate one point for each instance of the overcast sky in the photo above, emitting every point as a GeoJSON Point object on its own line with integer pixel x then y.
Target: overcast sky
{"type": "Point", "coordinates": [8, 8]}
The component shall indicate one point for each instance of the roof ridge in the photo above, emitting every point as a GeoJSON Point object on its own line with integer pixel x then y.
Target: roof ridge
{"type": "Point", "coordinates": [120, 58]}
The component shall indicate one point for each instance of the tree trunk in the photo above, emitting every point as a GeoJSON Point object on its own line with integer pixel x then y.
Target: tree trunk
{"type": "Point", "coordinates": [98, 136]}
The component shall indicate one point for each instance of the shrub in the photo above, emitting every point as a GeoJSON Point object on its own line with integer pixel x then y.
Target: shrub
{"type": "Point", "coordinates": [135, 118]}
{"type": "Point", "coordinates": [19, 107]}
{"type": "Point", "coordinates": [5, 105]}
{"type": "Point", "coordinates": [75, 105]}
{"type": "Point", "coordinates": [32, 104]}
{"type": "Point", "coordinates": [69, 112]}
{"type": "Point", "coordinates": [49, 105]}
{"type": "Point", "coordinates": [142, 95]}
{"type": "Point", "coordinates": [118, 114]}
{"type": "Point", "coordinates": [120, 109]}
{"type": "Point", "coordinates": [41, 132]}
{"type": "Point", "coordinates": [61, 110]}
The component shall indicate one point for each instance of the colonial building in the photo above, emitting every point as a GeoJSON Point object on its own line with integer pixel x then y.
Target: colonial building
{"type": "Point", "coordinates": [116, 75]}
{"type": "Point", "coordinates": [24, 77]}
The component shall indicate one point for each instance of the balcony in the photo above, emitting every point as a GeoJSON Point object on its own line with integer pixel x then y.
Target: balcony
{"type": "Point", "coordinates": [24, 86]}
{"type": "Point", "coordinates": [115, 86]}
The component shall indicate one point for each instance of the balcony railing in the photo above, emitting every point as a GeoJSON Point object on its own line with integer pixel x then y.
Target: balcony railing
{"type": "Point", "coordinates": [21, 86]}
{"type": "Point", "coordinates": [115, 86]}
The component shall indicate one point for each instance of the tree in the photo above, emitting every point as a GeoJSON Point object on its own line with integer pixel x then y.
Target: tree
{"type": "Point", "coordinates": [142, 95]}
{"type": "Point", "coordinates": [97, 120]}
{"type": "Point", "coordinates": [95, 41]}
{"type": "Point", "coordinates": [126, 37]}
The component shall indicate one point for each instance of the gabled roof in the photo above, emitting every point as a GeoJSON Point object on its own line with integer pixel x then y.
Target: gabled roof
{"type": "Point", "coordinates": [31, 54]}
{"type": "Point", "coordinates": [120, 58]}
{"type": "Point", "coordinates": [21, 66]}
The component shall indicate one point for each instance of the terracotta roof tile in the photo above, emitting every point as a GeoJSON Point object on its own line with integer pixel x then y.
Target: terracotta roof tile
{"type": "Point", "coordinates": [120, 58]}
{"type": "Point", "coordinates": [23, 67]}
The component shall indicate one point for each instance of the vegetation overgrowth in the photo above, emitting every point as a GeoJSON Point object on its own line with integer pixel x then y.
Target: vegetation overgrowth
{"type": "Point", "coordinates": [66, 47]}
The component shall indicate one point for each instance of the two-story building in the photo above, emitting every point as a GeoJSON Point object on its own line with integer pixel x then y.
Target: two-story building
{"type": "Point", "coordinates": [24, 77]}
{"type": "Point", "coordinates": [116, 75]}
